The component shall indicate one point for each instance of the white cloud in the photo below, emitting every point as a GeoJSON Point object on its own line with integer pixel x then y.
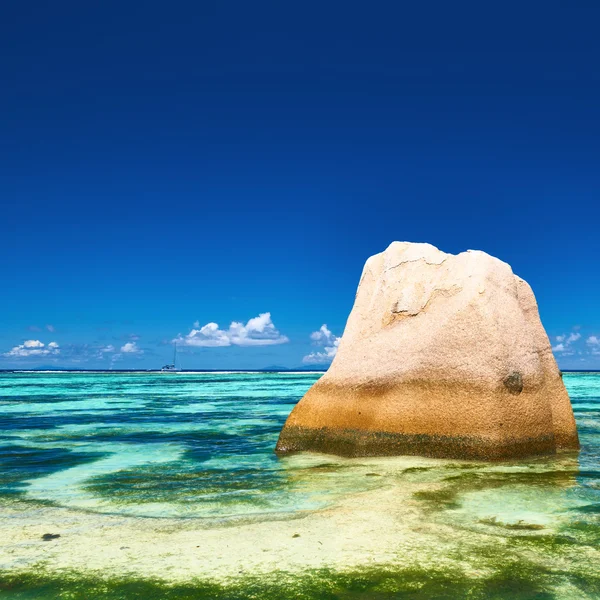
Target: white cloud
{"type": "Point", "coordinates": [110, 349]}
{"type": "Point", "coordinates": [565, 341]}
{"type": "Point", "coordinates": [103, 352]}
{"type": "Point", "coordinates": [259, 331]}
{"type": "Point", "coordinates": [329, 341]}
{"type": "Point", "coordinates": [50, 328]}
{"type": "Point", "coordinates": [209, 336]}
{"type": "Point", "coordinates": [33, 348]}
{"type": "Point", "coordinates": [33, 344]}
{"type": "Point", "coordinates": [594, 343]}
{"type": "Point", "coordinates": [131, 348]}
{"type": "Point", "coordinates": [323, 336]}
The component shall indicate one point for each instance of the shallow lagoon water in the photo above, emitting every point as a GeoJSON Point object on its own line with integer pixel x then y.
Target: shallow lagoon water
{"type": "Point", "coordinates": [166, 485]}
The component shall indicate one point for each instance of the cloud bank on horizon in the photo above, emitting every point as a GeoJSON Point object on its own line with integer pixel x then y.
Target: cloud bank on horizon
{"type": "Point", "coordinates": [566, 344]}
{"type": "Point", "coordinates": [258, 331]}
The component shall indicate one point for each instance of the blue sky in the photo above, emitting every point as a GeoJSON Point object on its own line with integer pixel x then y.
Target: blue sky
{"type": "Point", "coordinates": [166, 165]}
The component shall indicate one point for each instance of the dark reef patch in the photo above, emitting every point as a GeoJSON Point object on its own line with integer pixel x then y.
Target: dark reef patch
{"type": "Point", "coordinates": [19, 463]}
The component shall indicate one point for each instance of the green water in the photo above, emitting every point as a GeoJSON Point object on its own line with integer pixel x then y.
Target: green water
{"type": "Point", "coordinates": [166, 486]}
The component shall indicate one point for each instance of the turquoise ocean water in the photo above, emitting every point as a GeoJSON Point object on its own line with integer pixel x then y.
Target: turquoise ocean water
{"type": "Point", "coordinates": [123, 458]}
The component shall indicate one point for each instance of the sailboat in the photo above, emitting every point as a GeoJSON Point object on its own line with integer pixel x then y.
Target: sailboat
{"type": "Point", "coordinates": [172, 368]}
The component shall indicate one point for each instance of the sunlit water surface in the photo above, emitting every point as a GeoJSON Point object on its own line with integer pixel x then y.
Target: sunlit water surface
{"type": "Point", "coordinates": [115, 458]}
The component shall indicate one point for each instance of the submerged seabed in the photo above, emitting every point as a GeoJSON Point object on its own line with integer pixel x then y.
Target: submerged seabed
{"type": "Point", "coordinates": [166, 486]}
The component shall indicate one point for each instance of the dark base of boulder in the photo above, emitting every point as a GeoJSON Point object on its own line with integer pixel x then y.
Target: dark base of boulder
{"type": "Point", "coordinates": [356, 442]}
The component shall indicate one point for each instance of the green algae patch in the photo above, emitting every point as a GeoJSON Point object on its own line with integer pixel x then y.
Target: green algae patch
{"type": "Point", "coordinates": [518, 526]}
{"type": "Point", "coordinates": [411, 470]}
{"type": "Point", "coordinates": [439, 499]}
{"type": "Point", "coordinates": [163, 484]}
{"type": "Point", "coordinates": [472, 481]}
{"type": "Point", "coordinates": [452, 488]}
{"type": "Point", "coordinates": [225, 491]}
{"type": "Point", "coordinates": [369, 584]}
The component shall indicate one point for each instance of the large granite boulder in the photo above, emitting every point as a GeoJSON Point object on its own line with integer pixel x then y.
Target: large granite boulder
{"type": "Point", "coordinates": [442, 356]}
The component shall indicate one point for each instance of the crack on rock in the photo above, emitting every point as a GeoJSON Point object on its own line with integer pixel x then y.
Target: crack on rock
{"type": "Point", "coordinates": [411, 260]}
{"type": "Point", "coordinates": [397, 314]}
{"type": "Point", "coordinates": [410, 312]}
{"type": "Point", "coordinates": [445, 292]}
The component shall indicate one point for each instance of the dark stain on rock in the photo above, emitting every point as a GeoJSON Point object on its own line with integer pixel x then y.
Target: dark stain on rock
{"type": "Point", "coordinates": [50, 536]}
{"type": "Point", "coordinates": [514, 383]}
{"type": "Point", "coordinates": [356, 442]}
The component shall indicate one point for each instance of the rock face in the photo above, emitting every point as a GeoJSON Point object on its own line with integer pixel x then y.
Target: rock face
{"type": "Point", "coordinates": [442, 356]}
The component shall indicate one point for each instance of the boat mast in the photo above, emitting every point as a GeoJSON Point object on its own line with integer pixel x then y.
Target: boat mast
{"type": "Point", "coordinates": [174, 353]}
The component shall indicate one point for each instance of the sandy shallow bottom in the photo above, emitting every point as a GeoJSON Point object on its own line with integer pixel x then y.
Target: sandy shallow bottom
{"type": "Point", "coordinates": [520, 529]}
